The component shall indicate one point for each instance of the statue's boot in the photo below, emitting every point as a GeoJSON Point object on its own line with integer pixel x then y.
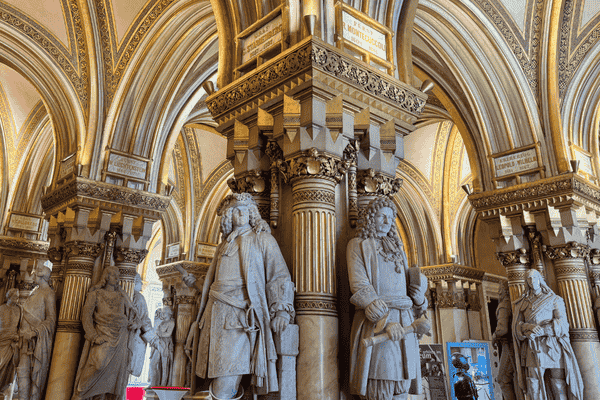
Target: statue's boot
{"type": "Point", "coordinates": [534, 389]}
{"type": "Point", "coordinates": [238, 395]}
{"type": "Point", "coordinates": [559, 388]}
{"type": "Point", "coordinates": [508, 390]}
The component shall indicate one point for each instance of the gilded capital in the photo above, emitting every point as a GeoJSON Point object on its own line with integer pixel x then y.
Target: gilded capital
{"type": "Point", "coordinates": [79, 248]}
{"type": "Point", "coordinates": [55, 254]}
{"type": "Point", "coordinates": [314, 164]}
{"type": "Point", "coordinates": [509, 258]}
{"type": "Point", "coordinates": [125, 255]}
{"type": "Point", "coordinates": [253, 181]}
{"type": "Point", "coordinates": [376, 183]}
{"type": "Point", "coordinates": [570, 250]}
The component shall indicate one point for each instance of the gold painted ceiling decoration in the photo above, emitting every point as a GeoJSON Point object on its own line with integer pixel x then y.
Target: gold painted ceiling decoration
{"type": "Point", "coordinates": [524, 44]}
{"type": "Point", "coordinates": [73, 61]}
{"type": "Point", "coordinates": [575, 41]}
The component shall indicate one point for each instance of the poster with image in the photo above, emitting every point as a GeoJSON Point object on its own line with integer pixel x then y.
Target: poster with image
{"type": "Point", "coordinates": [470, 371]}
{"type": "Point", "coordinates": [433, 371]}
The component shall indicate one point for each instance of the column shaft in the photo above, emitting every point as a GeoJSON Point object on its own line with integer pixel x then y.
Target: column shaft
{"type": "Point", "coordinates": [69, 332]}
{"type": "Point", "coordinates": [185, 315]}
{"type": "Point", "coordinates": [516, 264]}
{"type": "Point", "coordinates": [314, 272]}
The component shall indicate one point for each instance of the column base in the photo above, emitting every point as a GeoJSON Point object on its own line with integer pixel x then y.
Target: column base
{"type": "Point", "coordinates": [63, 368]}
{"type": "Point", "coordinates": [588, 358]}
{"type": "Point", "coordinates": [318, 373]}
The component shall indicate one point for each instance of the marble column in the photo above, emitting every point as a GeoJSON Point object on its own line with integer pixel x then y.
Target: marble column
{"type": "Point", "coordinates": [314, 273]}
{"type": "Point", "coordinates": [516, 264]}
{"type": "Point", "coordinates": [69, 331]}
{"type": "Point", "coordinates": [185, 301]}
{"type": "Point", "coordinates": [569, 267]}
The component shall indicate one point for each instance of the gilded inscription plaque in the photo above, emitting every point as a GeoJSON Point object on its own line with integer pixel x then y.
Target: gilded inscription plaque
{"type": "Point", "coordinates": [364, 36]}
{"type": "Point", "coordinates": [127, 166]}
{"type": "Point", "coordinates": [263, 39]}
{"type": "Point", "coordinates": [517, 162]}
{"type": "Point", "coordinates": [24, 222]}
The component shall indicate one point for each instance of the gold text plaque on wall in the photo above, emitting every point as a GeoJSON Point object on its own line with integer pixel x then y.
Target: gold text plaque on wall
{"type": "Point", "coordinates": [127, 166]}
{"type": "Point", "coordinates": [363, 36]}
{"type": "Point", "coordinates": [24, 222]}
{"type": "Point", "coordinates": [264, 38]}
{"type": "Point", "coordinates": [511, 164]}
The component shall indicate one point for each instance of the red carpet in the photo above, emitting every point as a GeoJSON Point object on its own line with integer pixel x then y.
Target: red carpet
{"type": "Point", "coordinates": [135, 393]}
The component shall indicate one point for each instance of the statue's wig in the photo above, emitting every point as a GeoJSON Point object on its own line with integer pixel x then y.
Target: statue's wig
{"type": "Point", "coordinates": [231, 202]}
{"type": "Point", "coordinates": [104, 277]}
{"type": "Point", "coordinates": [367, 228]}
{"type": "Point", "coordinates": [543, 285]}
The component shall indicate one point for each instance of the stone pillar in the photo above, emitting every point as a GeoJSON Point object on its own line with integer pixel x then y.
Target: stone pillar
{"type": "Point", "coordinates": [474, 302]}
{"type": "Point", "coordinates": [127, 261]}
{"type": "Point", "coordinates": [314, 273]}
{"type": "Point", "coordinates": [185, 301]}
{"type": "Point", "coordinates": [57, 277]}
{"type": "Point", "coordinates": [516, 264]}
{"type": "Point", "coordinates": [69, 331]}
{"type": "Point", "coordinates": [573, 287]}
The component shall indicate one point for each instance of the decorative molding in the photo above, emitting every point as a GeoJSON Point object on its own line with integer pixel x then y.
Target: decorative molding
{"type": "Point", "coordinates": [9, 244]}
{"type": "Point", "coordinates": [315, 54]}
{"type": "Point", "coordinates": [80, 267]}
{"type": "Point", "coordinates": [494, 278]}
{"type": "Point", "coordinates": [371, 182]}
{"type": "Point", "coordinates": [196, 268]}
{"type": "Point", "coordinates": [253, 181]}
{"type": "Point", "coordinates": [69, 326]}
{"type": "Point", "coordinates": [510, 258]}
{"type": "Point", "coordinates": [571, 250]}
{"type": "Point", "coordinates": [125, 255]}
{"type": "Point", "coordinates": [127, 273]}
{"type": "Point", "coordinates": [55, 254]}
{"type": "Point", "coordinates": [517, 277]}
{"type": "Point", "coordinates": [315, 304]}
{"type": "Point", "coordinates": [451, 300]}
{"type": "Point", "coordinates": [80, 188]}
{"type": "Point", "coordinates": [321, 196]}
{"type": "Point", "coordinates": [79, 248]}
{"type": "Point", "coordinates": [583, 335]}
{"type": "Point", "coordinates": [452, 272]}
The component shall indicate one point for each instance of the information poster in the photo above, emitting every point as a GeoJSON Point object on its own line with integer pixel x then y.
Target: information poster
{"type": "Point", "coordinates": [473, 374]}
{"type": "Point", "coordinates": [432, 371]}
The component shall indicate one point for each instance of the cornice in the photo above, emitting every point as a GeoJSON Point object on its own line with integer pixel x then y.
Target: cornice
{"type": "Point", "coordinates": [196, 268]}
{"type": "Point", "coordinates": [308, 58]}
{"type": "Point", "coordinates": [10, 245]}
{"type": "Point", "coordinates": [452, 272]}
{"type": "Point", "coordinates": [83, 191]}
{"type": "Point", "coordinates": [559, 190]}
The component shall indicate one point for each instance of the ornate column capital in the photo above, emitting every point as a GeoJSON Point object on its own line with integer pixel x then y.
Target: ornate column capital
{"type": "Point", "coordinates": [311, 163]}
{"type": "Point", "coordinates": [130, 256]}
{"type": "Point", "coordinates": [79, 248]}
{"type": "Point", "coordinates": [253, 181]}
{"type": "Point", "coordinates": [509, 258]}
{"type": "Point", "coordinates": [571, 250]}
{"type": "Point", "coordinates": [371, 182]}
{"type": "Point", "coordinates": [449, 299]}
{"type": "Point", "coordinates": [55, 254]}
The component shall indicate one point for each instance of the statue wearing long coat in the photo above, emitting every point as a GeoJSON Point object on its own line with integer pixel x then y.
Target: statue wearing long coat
{"type": "Point", "coordinates": [269, 289]}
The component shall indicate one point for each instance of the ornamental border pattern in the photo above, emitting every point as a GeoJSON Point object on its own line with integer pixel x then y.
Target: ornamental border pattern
{"type": "Point", "coordinates": [448, 272]}
{"type": "Point", "coordinates": [23, 245]}
{"type": "Point", "coordinates": [194, 268]}
{"type": "Point", "coordinates": [321, 196]}
{"type": "Point", "coordinates": [326, 60]}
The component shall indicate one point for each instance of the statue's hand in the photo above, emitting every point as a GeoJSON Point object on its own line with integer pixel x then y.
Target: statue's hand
{"type": "Point", "coordinates": [395, 331]}
{"type": "Point", "coordinates": [415, 293]}
{"type": "Point", "coordinates": [28, 335]}
{"type": "Point", "coordinates": [279, 323]}
{"type": "Point", "coordinates": [100, 339]}
{"type": "Point", "coordinates": [376, 310]}
{"type": "Point", "coordinates": [189, 280]}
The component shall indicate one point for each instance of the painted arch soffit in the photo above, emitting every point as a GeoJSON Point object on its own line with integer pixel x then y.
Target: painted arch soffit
{"type": "Point", "coordinates": [71, 56]}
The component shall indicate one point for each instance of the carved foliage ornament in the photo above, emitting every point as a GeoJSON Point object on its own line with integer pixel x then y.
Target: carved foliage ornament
{"type": "Point", "coordinates": [314, 164]}
{"type": "Point", "coordinates": [565, 251]}
{"type": "Point", "coordinates": [253, 182]}
{"type": "Point", "coordinates": [375, 183]}
{"type": "Point", "coordinates": [126, 255]}
{"type": "Point", "coordinates": [84, 249]}
{"type": "Point", "coordinates": [328, 61]}
{"type": "Point", "coordinates": [513, 257]}
{"type": "Point", "coordinates": [17, 244]}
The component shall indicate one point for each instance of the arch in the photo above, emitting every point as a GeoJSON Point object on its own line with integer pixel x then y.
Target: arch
{"type": "Point", "coordinates": [22, 54]}
{"type": "Point", "coordinates": [475, 66]}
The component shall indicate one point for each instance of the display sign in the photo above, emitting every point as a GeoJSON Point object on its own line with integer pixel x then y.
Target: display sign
{"type": "Point", "coordinates": [517, 162]}
{"type": "Point", "coordinates": [127, 166]}
{"type": "Point", "coordinates": [470, 373]}
{"type": "Point", "coordinates": [66, 166]}
{"type": "Point", "coordinates": [264, 38]}
{"type": "Point", "coordinates": [432, 371]}
{"type": "Point", "coordinates": [206, 250]}
{"type": "Point", "coordinates": [173, 250]}
{"type": "Point", "coordinates": [363, 36]}
{"type": "Point", "coordinates": [24, 222]}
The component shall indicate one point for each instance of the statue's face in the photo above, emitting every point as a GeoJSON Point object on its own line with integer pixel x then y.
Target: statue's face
{"type": "Point", "coordinates": [383, 221]}
{"type": "Point", "coordinates": [533, 281]}
{"type": "Point", "coordinates": [240, 216]}
{"type": "Point", "coordinates": [112, 279]}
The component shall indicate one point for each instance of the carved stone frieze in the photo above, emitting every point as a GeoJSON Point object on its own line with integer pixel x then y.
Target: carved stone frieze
{"type": "Point", "coordinates": [452, 272]}
{"type": "Point", "coordinates": [583, 335]}
{"type": "Point", "coordinates": [85, 190]}
{"type": "Point", "coordinates": [320, 196]}
{"type": "Point", "coordinates": [83, 249]}
{"type": "Point", "coordinates": [447, 299]}
{"type": "Point", "coordinates": [570, 250]}
{"type": "Point", "coordinates": [23, 245]}
{"type": "Point", "coordinates": [314, 164]}
{"type": "Point", "coordinates": [80, 267]}
{"type": "Point", "coordinates": [509, 258]}
{"type": "Point", "coordinates": [254, 181]}
{"type": "Point", "coordinates": [132, 256]}
{"type": "Point", "coordinates": [316, 55]}
{"type": "Point", "coordinates": [315, 304]}
{"type": "Point", "coordinates": [127, 273]}
{"type": "Point", "coordinates": [196, 268]}
{"type": "Point", "coordinates": [376, 183]}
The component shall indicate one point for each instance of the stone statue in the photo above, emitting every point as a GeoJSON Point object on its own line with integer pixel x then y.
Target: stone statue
{"type": "Point", "coordinates": [541, 334]}
{"type": "Point", "coordinates": [144, 334]}
{"type": "Point", "coordinates": [108, 318]}
{"type": "Point", "coordinates": [503, 337]}
{"type": "Point", "coordinates": [388, 297]}
{"type": "Point", "coordinates": [10, 314]}
{"type": "Point", "coordinates": [36, 333]}
{"type": "Point", "coordinates": [161, 357]}
{"type": "Point", "coordinates": [246, 294]}
{"type": "Point", "coordinates": [464, 387]}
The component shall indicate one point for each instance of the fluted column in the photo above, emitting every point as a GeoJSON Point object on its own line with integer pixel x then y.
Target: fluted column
{"type": "Point", "coordinates": [57, 277]}
{"type": "Point", "coordinates": [516, 264]}
{"type": "Point", "coordinates": [185, 300]}
{"type": "Point", "coordinates": [569, 267]}
{"type": "Point", "coordinates": [69, 332]}
{"type": "Point", "coordinates": [313, 214]}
